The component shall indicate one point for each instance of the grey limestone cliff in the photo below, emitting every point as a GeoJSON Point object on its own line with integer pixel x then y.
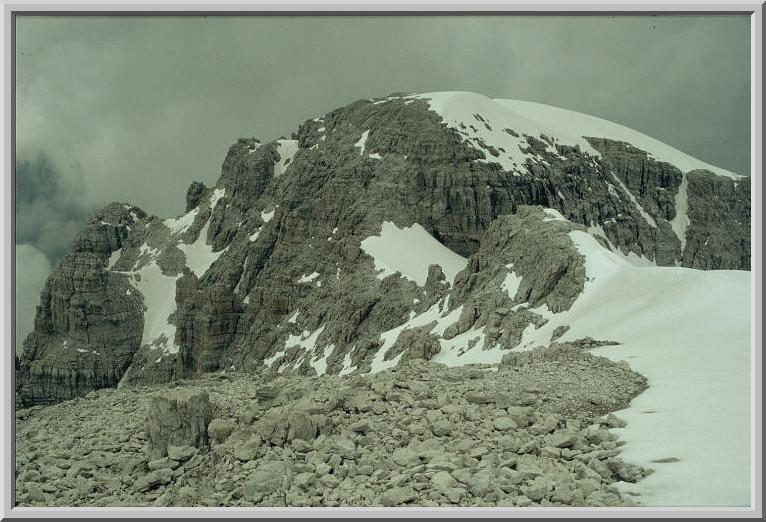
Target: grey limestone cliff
{"type": "Point", "coordinates": [269, 267]}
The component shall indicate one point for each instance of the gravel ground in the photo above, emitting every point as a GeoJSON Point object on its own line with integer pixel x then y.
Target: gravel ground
{"type": "Point", "coordinates": [532, 432]}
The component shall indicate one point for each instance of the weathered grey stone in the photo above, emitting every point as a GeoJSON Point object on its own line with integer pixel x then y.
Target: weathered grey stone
{"type": "Point", "coordinates": [154, 479]}
{"type": "Point", "coordinates": [441, 428]}
{"type": "Point", "coordinates": [178, 417]}
{"type": "Point", "coordinates": [362, 426]}
{"type": "Point", "coordinates": [164, 462]}
{"type": "Point", "coordinates": [269, 478]}
{"type": "Point", "coordinates": [462, 475]}
{"type": "Point", "coordinates": [478, 398]}
{"type": "Point", "coordinates": [187, 493]}
{"type": "Point", "coordinates": [528, 471]}
{"type": "Point", "coordinates": [480, 484]}
{"type": "Point", "coordinates": [442, 480]}
{"type": "Point", "coordinates": [564, 439]}
{"type": "Point", "coordinates": [360, 466]}
{"type": "Point", "coordinates": [540, 488]}
{"type": "Point", "coordinates": [220, 429]}
{"type": "Point", "coordinates": [249, 450]}
{"type": "Point", "coordinates": [181, 453]}
{"type": "Point", "coordinates": [405, 457]}
{"type": "Point", "coordinates": [613, 422]}
{"type": "Point", "coordinates": [398, 496]}
{"type": "Point", "coordinates": [505, 424]}
{"type": "Point", "coordinates": [626, 471]}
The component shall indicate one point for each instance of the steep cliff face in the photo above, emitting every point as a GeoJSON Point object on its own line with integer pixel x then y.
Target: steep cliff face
{"type": "Point", "coordinates": [320, 253]}
{"type": "Point", "coordinates": [89, 320]}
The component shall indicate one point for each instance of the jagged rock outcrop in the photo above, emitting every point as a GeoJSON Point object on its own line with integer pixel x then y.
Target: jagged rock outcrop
{"type": "Point", "coordinates": [272, 266]}
{"type": "Point", "coordinates": [89, 321]}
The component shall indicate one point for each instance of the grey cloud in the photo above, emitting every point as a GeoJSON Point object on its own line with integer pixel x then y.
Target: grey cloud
{"type": "Point", "coordinates": [32, 269]}
{"type": "Point", "coordinates": [136, 108]}
{"type": "Point", "coordinates": [49, 211]}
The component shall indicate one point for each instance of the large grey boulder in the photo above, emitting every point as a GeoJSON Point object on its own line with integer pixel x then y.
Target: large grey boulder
{"type": "Point", "coordinates": [282, 425]}
{"type": "Point", "coordinates": [267, 479]}
{"type": "Point", "coordinates": [178, 418]}
{"type": "Point", "coordinates": [398, 496]}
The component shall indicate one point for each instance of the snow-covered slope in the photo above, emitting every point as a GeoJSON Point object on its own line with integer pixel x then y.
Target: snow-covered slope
{"type": "Point", "coordinates": [490, 126]}
{"type": "Point", "coordinates": [688, 332]}
{"type": "Point", "coordinates": [483, 121]}
{"type": "Point", "coordinates": [410, 250]}
{"type": "Point", "coordinates": [575, 123]}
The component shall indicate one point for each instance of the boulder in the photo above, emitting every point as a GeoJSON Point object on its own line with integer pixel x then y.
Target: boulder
{"type": "Point", "coordinates": [220, 429]}
{"type": "Point", "coordinates": [181, 453]}
{"type": "Point", "coordinates": [154, 479]}
{"type": "Point", "coordinates": [398, 496]}
{"type": "Point", "coordinates": [269, 478]}
{"type": "Point", "coordinates": [179, 417]}
{"type": "Point", "coordinates": [250, 450]}
{"type": "Point", "coordinates": [282, 425]}
{"type": "Point", "coordinates": [505, 423]}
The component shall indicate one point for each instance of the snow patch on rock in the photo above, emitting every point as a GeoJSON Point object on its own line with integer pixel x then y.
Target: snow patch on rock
{"type": "Point", "coordinates": [681, 222]}
{"type": "Point", "coordinates": [200, 255]}
{"type": "Point", "coordinates": [159, 292]}
{"type": "Point", "coordinates": [649, 219]}
{"type": "Point", "coordinates": [362, 141]}
{"type": "Point", "coordinates": [488, 124]}
{"type": "Point", "coordinates": [511, 282]}
{"type": "Point", "coordinates": [181, 223]}
{"type": "Point", "coordinates": [308, 278]}
{"type": "Point", "coordinates": [113, 258]}
{"type": "Point", "coordinates": [266, 216]}
{"type": "Point", "coordinates": [216, 196]}
{"type": "Point", "coordinates": [553, 215]}
{"type": "Point", "coordinates": [410, 251]}
{"type": "Point", "coordinates": [287, 150]}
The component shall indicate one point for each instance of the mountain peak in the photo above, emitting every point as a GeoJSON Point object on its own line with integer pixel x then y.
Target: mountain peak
{"type": "Point", "coordinates": [377, 218]}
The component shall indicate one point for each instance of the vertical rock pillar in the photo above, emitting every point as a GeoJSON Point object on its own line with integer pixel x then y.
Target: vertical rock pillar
{"type": "Point", "coordinates": [178, 418]}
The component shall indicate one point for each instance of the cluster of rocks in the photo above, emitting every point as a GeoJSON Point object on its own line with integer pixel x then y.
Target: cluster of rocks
{"type": "Point", "coordinates": [534, 431]}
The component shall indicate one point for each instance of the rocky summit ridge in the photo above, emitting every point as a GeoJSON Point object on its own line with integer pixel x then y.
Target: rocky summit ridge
{"type": "Point", "coordinates": [441, 227]}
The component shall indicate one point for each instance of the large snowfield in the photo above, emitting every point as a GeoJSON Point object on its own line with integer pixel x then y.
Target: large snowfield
{"type": "Point", "coordinates": [688, 332]}
{"type": "Point", "coordinates": [567, 127]}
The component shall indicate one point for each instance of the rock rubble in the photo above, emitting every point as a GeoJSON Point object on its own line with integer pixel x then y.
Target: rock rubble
{"type": "Point", "coordinates": [534, 431]}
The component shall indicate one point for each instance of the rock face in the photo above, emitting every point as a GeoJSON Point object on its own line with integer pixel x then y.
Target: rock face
{"type": "Point", "coordinates": [89, 321]}
{"type": "Point", "coordinates": [719, 230]}
{"type": "Point", "coordinates": [272, 266]}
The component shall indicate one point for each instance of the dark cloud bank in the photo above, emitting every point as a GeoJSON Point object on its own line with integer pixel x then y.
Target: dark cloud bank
{"type": "Point", "coordinates": [49, 211]}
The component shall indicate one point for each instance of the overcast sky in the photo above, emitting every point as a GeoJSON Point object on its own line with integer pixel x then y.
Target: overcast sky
{"type": "Point", "coordinates": [134, 109]}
